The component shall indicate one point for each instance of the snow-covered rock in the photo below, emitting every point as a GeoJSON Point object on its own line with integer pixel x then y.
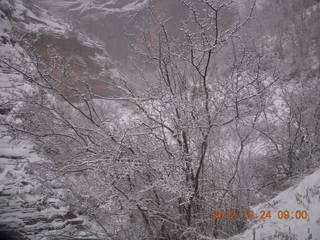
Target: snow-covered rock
{"type": "Point", "coordinates": [84, 7]}
{"type": "Point", "coordinates": [27, 208]}
{"type": "Point", "coordinates": [23, 208]}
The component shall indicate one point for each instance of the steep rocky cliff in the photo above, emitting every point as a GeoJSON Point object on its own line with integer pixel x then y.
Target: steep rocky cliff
{"type": "Point", "coordinates": [29, 210]}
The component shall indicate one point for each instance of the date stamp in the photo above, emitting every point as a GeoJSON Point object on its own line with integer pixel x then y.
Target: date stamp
{"type": "Point", "coordinates": [250, 214]}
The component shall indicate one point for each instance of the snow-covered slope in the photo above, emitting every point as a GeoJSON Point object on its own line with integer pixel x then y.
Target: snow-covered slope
{"type": "Point", "coordinates": [7, 50]}
{"type": "Point", "coordinates": [117, 23]}
{"type": "Point", "coordinates": [109, 21]}
{"type": "Point", "coordinates": [26, 27]}
{"type": "Point", "coordinates": [26, 205]}
{"type": "Point", "coordinates": [304, 196]}
{"type": "Point", "coordinates": [31, 18]}
{"type": "Point", "coordinates": [104, 7]}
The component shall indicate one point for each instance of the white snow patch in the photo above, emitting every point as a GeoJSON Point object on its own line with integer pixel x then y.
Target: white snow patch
{"type": "Point", "coordinates": [303, 197]}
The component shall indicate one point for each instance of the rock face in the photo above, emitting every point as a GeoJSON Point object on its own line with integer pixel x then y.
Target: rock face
{"type": "Point", "coordinates": [25, 213]}
{"type": "Point", "coordinates": [32, 31]}
{"type": "Point", "coordinates": [11, 235]}
{"type": "Point", "coordinates": [29, 210]}
{"type": "Point", "coordinates": [116, 23]}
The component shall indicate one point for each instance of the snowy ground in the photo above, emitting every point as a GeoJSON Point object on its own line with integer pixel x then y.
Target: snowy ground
{"type": "Point", "coordinates": [305, 196]}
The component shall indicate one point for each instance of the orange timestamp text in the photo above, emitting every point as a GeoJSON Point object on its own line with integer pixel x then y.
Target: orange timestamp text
{"type": "Point", "coordinates": [250, 214]}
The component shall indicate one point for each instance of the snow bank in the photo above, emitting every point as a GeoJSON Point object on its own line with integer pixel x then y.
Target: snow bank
{"type": "Point", "coordinates": [303, 197]}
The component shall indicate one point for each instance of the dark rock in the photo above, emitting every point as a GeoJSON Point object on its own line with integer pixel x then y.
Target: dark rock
{"type": "Point", "coordinates": [70, 215]}
{"type": "Point", "coordinates": [75, 221]}
{"type": "Point", "coordinates": [11, 235]}
{"type": "Point", "coordinates": [4, 40]}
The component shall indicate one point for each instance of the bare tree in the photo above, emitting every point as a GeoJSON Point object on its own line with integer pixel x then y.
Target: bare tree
{"type": "Point", "coordinates": [159, 174]}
